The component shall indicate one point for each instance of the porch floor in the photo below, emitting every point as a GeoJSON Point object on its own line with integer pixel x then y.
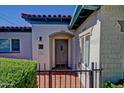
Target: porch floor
{"type": "Point", "coordinates": [58, 80]}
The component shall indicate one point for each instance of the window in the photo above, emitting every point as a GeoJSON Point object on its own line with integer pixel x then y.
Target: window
{"type": "Point", "coordinates": [82, 50]}
{"type": "Point", "coordinates": [9, 45]}
{"type": "Point", "coordinates": [85, 49]}
{"type": "Point", "coordinates": [15, 45]}
{"type": "Point", "coordinates": [40, 46]}
{"type": "Point", "coordinates": [4, 45]}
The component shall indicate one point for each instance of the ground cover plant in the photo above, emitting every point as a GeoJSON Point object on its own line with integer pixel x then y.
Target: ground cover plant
{"type": "Point", "coordinates": [119, 84]}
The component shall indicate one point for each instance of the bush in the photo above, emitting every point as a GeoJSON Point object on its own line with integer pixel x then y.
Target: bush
{"type": "Point", "coordinates": [109, 84]}
{"type": "Point", "coordinates": [17, 73]}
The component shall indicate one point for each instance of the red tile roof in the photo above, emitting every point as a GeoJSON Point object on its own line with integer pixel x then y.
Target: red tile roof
{"type": "Point", "coordinates": [48, 16]}
{"type": "Point", "coordinates": [15, 29]}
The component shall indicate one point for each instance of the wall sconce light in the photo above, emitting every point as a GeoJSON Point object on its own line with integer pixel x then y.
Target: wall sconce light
{"type": "Point", "coordinates": [40, 38]}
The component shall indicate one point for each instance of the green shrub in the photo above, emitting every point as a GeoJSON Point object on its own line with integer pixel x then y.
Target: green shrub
{"type": "Point", "coordinates": [17, 73]}
{"type": "Point", "coordinates": [109, 84]}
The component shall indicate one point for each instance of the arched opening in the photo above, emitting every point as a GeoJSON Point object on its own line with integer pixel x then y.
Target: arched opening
{"type": "Point", "coordinates": [60, 50]}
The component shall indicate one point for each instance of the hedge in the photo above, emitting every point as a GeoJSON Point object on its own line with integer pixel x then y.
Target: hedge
{"type": "Point", "coordinates": [17, 73]}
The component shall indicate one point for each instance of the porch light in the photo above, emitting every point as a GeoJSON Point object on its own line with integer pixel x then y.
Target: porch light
{"type": "Point", "coordinates": [40, 38]}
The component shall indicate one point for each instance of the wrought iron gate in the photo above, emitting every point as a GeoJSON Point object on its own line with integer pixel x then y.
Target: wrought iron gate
{"type": "Point", "coordinates": [69, 78]}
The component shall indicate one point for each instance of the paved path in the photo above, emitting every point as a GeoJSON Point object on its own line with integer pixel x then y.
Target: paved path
{"type": "Point", "coordinates": [58, 80]}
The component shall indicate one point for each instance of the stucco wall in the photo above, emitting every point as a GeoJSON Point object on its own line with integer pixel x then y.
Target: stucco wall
{"type": "Point", "coordinates": [43, 56]}
{"type": "Point", "coordinates": [92, 27]}
{"type": "Point", "coordinates": [111, 49]}
{"type": "Point", "coordinates": [25, 44]}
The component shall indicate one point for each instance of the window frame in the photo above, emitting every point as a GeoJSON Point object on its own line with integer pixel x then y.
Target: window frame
{"type": "Point", "coordinates": [11, 51]}
{"type": "Point", "coordinates": [12, 45]}
{"type": "Point", "coordinates": [83, 50]}
{"type": "Point", "coordinates": [9, 46]}
{"type": "Point", "coordinates": [87, 51]}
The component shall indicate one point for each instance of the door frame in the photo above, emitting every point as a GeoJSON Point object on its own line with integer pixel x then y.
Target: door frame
{"type": "Point", "coordinates": [69, 54]}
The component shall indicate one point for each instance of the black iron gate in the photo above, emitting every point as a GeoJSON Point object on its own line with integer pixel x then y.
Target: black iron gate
{"type": "Point", "coordinates": [69, 78]}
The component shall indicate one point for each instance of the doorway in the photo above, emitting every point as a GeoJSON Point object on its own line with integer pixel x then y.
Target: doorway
{"type": "Point", "coordinates": [61, 53]}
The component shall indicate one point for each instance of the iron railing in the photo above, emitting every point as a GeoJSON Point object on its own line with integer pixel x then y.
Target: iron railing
{"type": "Point", "coordinates": [69, 78]}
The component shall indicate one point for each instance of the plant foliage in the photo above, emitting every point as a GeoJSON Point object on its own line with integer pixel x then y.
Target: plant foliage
{"type": "Point", "coordinates": [109, 84]}
{"type": "Point", "coordinates": [17, 73]}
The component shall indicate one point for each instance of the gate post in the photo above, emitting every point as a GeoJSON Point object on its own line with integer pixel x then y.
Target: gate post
{"type": "Point", "coordinates": [50, 79]}
{"type": "Point", "coordinates": [91, 76]}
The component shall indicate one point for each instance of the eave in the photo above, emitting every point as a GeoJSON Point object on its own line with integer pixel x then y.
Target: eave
{"type": "Point", "coordinates": [15, 29]}
{"type": "Point", "coordinates": [46, 19]}
{"type": "Point", "coordinates": [81, 14]}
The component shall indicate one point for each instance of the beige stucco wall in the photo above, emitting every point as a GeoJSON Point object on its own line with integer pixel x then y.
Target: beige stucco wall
{"type": "Point", "coordinates": [92, 27]}
{"type": "Point", "coordinates": [25, 44]}
{"type": "Point", "coordinates": [111, 43]}
{"type": "Point", "coordinates": [44, 56]}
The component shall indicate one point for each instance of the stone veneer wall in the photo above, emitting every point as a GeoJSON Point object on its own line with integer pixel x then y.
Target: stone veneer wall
{"type": "Point", "coordinates": [110, 46]}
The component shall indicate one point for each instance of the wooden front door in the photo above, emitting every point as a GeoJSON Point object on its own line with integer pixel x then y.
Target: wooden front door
{"type": "Point", "coordinates": [61, 52]}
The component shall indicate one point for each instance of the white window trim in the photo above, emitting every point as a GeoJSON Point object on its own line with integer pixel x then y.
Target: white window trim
{"type": "Point", "coordinates": [10, 45]}
{"type": "Point", "coordinates": [10, 40]}
{"type": "Point", "coordinates": [83, 37]}
{"type": "Point", "coordinates": [85, 33]}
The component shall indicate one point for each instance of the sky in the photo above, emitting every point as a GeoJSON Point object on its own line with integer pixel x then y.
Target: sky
{"type": "Point", "coordinates": [10, 14]}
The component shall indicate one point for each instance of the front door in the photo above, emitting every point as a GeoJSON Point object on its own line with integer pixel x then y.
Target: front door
{"type": "Point", "coordinates": [61, 53]}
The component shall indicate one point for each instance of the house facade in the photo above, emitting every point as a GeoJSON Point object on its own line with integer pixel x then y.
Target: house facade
{"type": "Point", "coordinates": [101, 40]}
{"type": "Point", "coordinates": [92, 34]}
{"type": "Point", "coordinates": [51, 40]}
{"type": "Point", "coordinates": [15, 42]}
